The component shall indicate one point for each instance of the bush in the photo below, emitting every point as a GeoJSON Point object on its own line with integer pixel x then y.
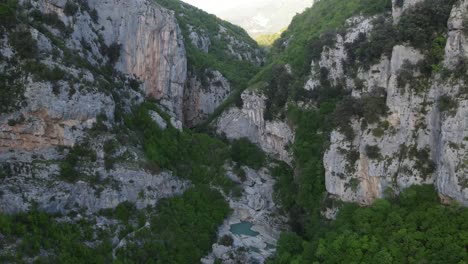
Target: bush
{"type": "Point", "coordinates": [110, 147]}
{"type": "Point", "coordinates": [124, 211]}
{"type": "Point", "coordinates": [43, 73]}
{"type": "Point", "coordinates": [399, 3]}
{"type": "Point", "coordinates": [24, 44]}
{"type": "Point", "coordinates": [374, 105]}
{"type": "Point", "coordinates": [277, 92]}
{"type": "Point", "coordinates": [70, 8]}
{"type": "Point", "coordinates": [447, 104]}
{"type": "Point", "coordinates": [246, 153]}
{"type": "Point", "coordinates": [226, 240]}
{"type": "Point", "coordinates": [8, 13]}
{"type": "Point", "coordinates": [11, 91]}
{"type": "Point", "coordinates": [426, 19]}
{"type": "Point", "coordinates": [112, 52]}
{"type": "Point", "coordinates": [68, 167]}
{"type": "Point", "coordinates": [94, 15]}
{"type": "Point", "coordinates": [373, 152]}
{"type": "Point", "coordinates": [368, 50]}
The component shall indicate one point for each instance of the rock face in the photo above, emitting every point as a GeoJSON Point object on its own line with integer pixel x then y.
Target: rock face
{"type": "Point", "coordinates": [202, 98]}
{"type": "Point", "coordinates": [152, 47]}
{"type": "Point", "coordinates": [199, 39]}
{"type": "Point", "coordinates": [417, 142]}
{"type": "Point", "coordinates": [50, 120]}
{"type": "Point", "coordinates": [273, 137]}
{"type": "Point", "coordinates": [452, 149]}
{"type": "Point", "coordinates": [37, 183]}
{"type": "Point", "coordinates": [240, 49]}
{"type": "Point", "coordinates": [399, 6]}
{"type": "Point", "coordinates": [73, 101]}
{"type": "Point", "coordinates": [256, 207]}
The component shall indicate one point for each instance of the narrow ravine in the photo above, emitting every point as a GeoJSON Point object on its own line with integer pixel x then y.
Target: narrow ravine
{"type": "Point", "coordinates": [250, 233]}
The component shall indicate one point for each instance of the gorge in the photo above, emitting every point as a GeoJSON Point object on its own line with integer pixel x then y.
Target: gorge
{"type": "Point", "coordinates": [149, 131]}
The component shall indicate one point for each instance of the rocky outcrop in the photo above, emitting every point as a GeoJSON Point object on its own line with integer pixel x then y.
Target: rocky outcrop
{"type": "Point", "coordinates": [71, 97]}
{"type": "Point", "coordinates": [199, 40]}
{"type": "Point", "coordinates": [152, 47]}
{"type": "Point", "coordinates": [37, 183]}
{"type": "Point", "coordinates": [420, 140]}
{"type": "Point", "coordinates": [202, 97]}
{"type": "Point", "coordinates": [240, 49]}
{"type": "Point", "coordinates": [457, 42]}
{"type": "Point", "coordinates": [273, 137]}
{"type": "Point", "coordinates": [146, 40]}
{"type": "Point", "coordinates": [452, 145]}
{"type": "Point", "coordinates": [332, 58]}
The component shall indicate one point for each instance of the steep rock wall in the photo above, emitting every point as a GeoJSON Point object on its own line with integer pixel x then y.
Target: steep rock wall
{"type": "Point", "coordinates": [202, 98]}
{"type": "Point", "coordinates": [273, 137]}
{"type": "Point", "coordinates": [416, 141]}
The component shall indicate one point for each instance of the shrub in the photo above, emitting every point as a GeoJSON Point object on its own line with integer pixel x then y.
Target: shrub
{"type": "Point", "coordinates": [124, 211]}
{"type": "Point", "coordinates": [378, 132]}
{"type": "Point", "coordinates": [368, 50]}
{"type": "Point", "coordinates": [277, 92]}
{"type": "Point", "coordinates": [24, 44]}
{"type": "Point", "coordinates": [110, 147]}
{"type": "Point", "coordinates": [447, 104]}
{"type": "Point", "coordinates": [44, 73]}
{"type": "Point", "coordinates": [353, 184]}
{"type": "Point", "coordinates": [70, 8]}
{"type": "Point", "coordinates": [374, 105]}
{"type": "Point", "coordinates": [53, 20]}
{"type": "Point", "coordinates": [352, 156]}
{"type": "Point", "coordinates": [94, 15]}
{"type": "Point", "coordinates": [112, 52]}
{"type": "Point", "coordinates": [226, 240]}
{"type": "Point", "coordinates": [11, 91]}
{"type": "Point", "coordinates": [246, 153]}
{"type": "Point", "coordinates": [8, 13]}
{"type": "Point", "coordinates": [68, 167]}
{"type": "Point", "coordinates": [373, 152]}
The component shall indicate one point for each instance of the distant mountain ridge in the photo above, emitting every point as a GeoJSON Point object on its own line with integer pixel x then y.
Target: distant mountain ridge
{"type": "Point", "coordinates": [266, 16]}
{"type": "Point", "coordinates": [258, 17]}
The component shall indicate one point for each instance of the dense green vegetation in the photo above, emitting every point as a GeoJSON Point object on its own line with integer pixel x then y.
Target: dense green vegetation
{"type": "Point", "coordinates": [301, 43]}
{"type": "Point", "coordinates": [414, 228]}
{"type": "Point", "coordinates": [306, 29]}
{"type": "Point", "coordinates": [304, 203]}
{"type": "Point", "coordinates": [7, 12]}
{"type": "Point", "coordinates": [36, 231]}
{"type": "Point", "coordinates": [246, 153]}
{"type": "Point", "coordinates": [195, 156]}
{"type": "Point", "coordinates": [238, 72]}
{"type": "Point", "coordinates": [303, 195]}
{"type": "Point", "coordinates": [181, 230]}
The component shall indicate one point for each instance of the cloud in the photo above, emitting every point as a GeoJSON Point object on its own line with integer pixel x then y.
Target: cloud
{"type": "Point", "coordinates": [216, 6]}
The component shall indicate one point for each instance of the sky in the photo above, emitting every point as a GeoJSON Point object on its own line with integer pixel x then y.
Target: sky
{"type": "Point", "coordinates": [256, 16]}
{"type": "Point", "coordinates": [217, 6]}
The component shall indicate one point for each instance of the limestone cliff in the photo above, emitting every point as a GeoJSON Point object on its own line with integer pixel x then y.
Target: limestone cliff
{"type": "Point", "coordinates": [273, 137]}
{"type": "Point", "coordinates": [87, 69]}
{"type": "Point", "coordinates": [419, 140]}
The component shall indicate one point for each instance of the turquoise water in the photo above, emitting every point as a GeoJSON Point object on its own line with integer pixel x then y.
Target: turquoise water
{"type": "Point", "coordinates": [243, 228]}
